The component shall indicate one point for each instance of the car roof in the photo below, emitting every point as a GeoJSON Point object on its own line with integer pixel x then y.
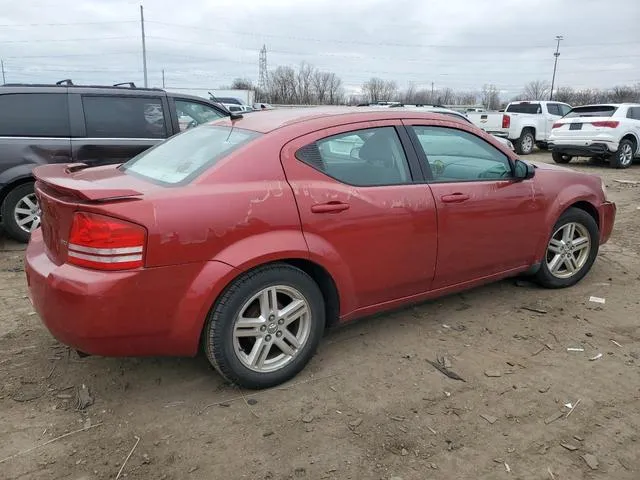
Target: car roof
{"type": "Point", "coordinates": [269, 120]}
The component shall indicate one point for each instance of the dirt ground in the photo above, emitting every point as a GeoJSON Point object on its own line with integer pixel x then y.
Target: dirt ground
{"type": "Point", "coordinates": [369, 405]}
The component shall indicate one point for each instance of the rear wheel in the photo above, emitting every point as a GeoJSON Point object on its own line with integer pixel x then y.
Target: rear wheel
{"type": "Point", "coordinates": [20, 212]}
{"type": "Point", "coordinates": [571, 250]}
{"type": "Point", "coordinates": [560, 157]}
{"type": "Point", "coordinates": [624, 156]}
{"type": "Point", "coordinates": [524, 145]}
{"type": "Point", "coordinates": [265, 327]}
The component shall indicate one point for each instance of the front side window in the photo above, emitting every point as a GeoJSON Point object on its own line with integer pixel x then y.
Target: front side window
{"type": "Point", "coordinates": [564, 109]}
{"type": "Point", "coordinates": [124, 117]}
{"type": "Point", "coordinates": [364, 157]}
{"type": "Point", "coordinates": [457, 156]}
{"type": "Point", "coordinates": [191, 114]}
{"type": "Point", "coordinates": [34, 115]}
{"type": "Point", "coordinates": [554, 109]}
{"type": "Point", "coordinates": [185, 156]}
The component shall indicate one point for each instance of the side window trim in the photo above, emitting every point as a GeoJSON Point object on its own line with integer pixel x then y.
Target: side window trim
{"type": "Point", "coordinates": [424, 161]}
{"type": "Point", "coordinates": [407, 150]}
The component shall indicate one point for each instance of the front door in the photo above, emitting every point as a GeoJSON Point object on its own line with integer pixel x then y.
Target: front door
{"type": "Point", "coordinates": [486, 220]}
{"type": "Point", "coordinates": [361, 208]}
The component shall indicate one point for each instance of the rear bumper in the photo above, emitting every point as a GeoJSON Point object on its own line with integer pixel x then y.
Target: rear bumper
{"type": "Point", "coordinates": [577, 148]}
{"type": "Point", "coordinates": [155, 311]}
{"type": "Point", "coordinates": [607, 213]}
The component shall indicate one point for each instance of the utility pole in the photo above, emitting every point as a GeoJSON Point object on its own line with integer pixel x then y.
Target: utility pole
{"type": "Point", "coordinates": [555, 64]}
{"type": "Point", "coordinates": [144, 47]}
{"type": "Point", "coordinates": [163, 78]}
{"type": "Point", "coordinates": [432, 93]}
{"type": "Point", "coordinates": [4, 80]}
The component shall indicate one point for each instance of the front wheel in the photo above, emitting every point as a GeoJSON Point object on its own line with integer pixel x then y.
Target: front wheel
{"type": "Point", "coordinates": [265, 327]}
{"type": "Point", "coordinates": [524, 145]}
{"type": "Point", "coordinates": [624, 156]}
{"type": "Point", "coordinates": [560, 157]}
{"type": "Point", "coordinates": [571, 250]}
{"type": "Point", "coordinates": [20, 212]}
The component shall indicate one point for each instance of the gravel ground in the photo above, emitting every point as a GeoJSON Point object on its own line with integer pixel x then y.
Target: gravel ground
{"type": "Point", "coordinates": [369, 406]}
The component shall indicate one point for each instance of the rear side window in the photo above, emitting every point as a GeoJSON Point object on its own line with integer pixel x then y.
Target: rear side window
{"type": "Point", "coordinates": [524, 108]}
{"type": "Point", "coordinates": [185, 156]}
{"type": "Point", "coordinates": [564, 109]}
{"type": "Point", "coordinates": [634, 112]}
{"type": "Point", "coordinates": [592, 111]}
{"type": "Point", "coordinates": [367, 158]}
{"type": "Point", "coordinates": [34, 115]}
{"type": "Point", "coordinates": [124, 117]}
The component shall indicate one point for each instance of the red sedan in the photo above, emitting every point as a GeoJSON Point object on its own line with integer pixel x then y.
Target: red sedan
{"type": "Point", "coordinates": [248, 237]}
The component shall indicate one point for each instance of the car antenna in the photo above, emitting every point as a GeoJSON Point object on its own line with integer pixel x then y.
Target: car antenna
{"type": "Point", "coordinates": [232, 116]}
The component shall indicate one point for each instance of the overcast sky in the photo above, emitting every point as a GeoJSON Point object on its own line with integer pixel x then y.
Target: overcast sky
{"type": "Point", "coordinates": [461, 44]}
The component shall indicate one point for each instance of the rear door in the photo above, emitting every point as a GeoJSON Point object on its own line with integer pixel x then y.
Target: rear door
{"type": "Point", "coordinates": [111, 129]}
{"type": "Point", "coordinates": [34, 130]}
{"type": "Point", "coordinates": [362, 205]}
{"type": "Point", "coordinates": [555, 112]}
{"type": "Point", "coordinates": [487, 221]}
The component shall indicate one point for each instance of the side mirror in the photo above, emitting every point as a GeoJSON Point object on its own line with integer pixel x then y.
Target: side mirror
{"type": "Point", "coordinates": [524, 170]}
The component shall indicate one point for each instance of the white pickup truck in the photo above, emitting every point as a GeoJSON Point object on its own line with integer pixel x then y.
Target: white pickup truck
{"type": "Point", "coordinates": [524, 123]}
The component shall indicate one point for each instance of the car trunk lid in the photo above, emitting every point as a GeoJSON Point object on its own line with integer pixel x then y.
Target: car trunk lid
{"type": "Point", "coordinates": [64, 189]}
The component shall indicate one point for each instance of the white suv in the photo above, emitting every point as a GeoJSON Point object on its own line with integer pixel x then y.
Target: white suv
{"type": "Point", "coordinates": [610, 131]}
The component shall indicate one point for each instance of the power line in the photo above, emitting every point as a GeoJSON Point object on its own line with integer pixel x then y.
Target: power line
{"type": "Point", "coordinates": [47, 40]}
{"type": "Point", "coordinates": [20, 25]}
{"type": "Point", "coordinates": [377, 44]}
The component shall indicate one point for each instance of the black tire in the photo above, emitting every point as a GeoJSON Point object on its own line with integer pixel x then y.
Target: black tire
{"type": "Point", "coordinates": [560, 157]}
{"type": "Point", "coordinates": [524, 145]}
{"type": "Point", "coordinates": [620, 159]}
{"type": "Point", "coordinates": [544, 277]}
{"type": "Point", "coordinates": [218, 339]}
{"type": "Point", "coordinates": [9, 205]}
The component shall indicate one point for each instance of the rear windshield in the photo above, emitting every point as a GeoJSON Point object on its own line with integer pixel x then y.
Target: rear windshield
{"type": "Point", "coordinates": [183, 157]}
{"type": "Point", "coordinates": [524, 108]}
{"type": "Point", "coordinates": [592, 111]}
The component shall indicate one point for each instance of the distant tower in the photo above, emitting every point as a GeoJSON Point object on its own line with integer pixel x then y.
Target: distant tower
{"type": "Point", "coordinates": [262, 69]}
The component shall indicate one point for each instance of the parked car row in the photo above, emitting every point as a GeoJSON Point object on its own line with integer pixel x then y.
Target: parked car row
{"type": "Point", "coordinates": [610, 131]}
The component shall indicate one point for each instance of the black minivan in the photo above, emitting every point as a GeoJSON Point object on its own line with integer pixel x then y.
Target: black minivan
{"type": "Point", "coordinates": [67, 123]}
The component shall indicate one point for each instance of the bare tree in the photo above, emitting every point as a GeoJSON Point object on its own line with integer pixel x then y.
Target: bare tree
{"type": "Point", "coordinates": [536, 90]}
{"type": "Point", "coordinates": [282, 85]}
{"type": "Point", "coordinates": [410, 95]}
{"type": "Point", "coordinates": [565, 95]}
{"type": "Point", "coordinates": [335, 92]}
{"type": "Point", "coordinates": [621, 94]}
{"type": "Point", "coordinates": [379, 90]}
{"type": "Point", "coordinates": [490, 97]}
{"type": "Point", "coordinates": [444, 96]}
{"type": "Point", "coordinates": [304, 81]}
{"type": "Point", "coordinates": [321, 82]}
{"type": "Point", "coordinates": [466, 98]}
{"type": "Point", "coordinates": [241, 84]}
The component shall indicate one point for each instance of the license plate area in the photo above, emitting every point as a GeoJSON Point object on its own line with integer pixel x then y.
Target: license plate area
{"type": "Point", "coordinates": [575, 126]}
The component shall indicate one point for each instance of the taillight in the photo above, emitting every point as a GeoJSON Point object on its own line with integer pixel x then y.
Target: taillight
{"type": "Point", "coordinates": [506, 121]}
{"type": "Point", "coordinates": [606, 123]}
{"type": "Point", "coordinates": [557, 125]}
{"type": "Point", "coordinates": [105, 243]}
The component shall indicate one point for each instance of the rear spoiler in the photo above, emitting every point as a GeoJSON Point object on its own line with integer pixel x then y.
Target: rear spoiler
{"type": "Point", "coordinates": [60, 177]}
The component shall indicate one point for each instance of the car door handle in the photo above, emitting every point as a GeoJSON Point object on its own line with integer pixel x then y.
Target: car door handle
{"type": "Point", "coordinates": [455, 198]}
{"type": "Point", "coordinates": [331, 207]}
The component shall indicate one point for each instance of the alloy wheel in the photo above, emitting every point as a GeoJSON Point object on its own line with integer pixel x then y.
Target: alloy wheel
{"type": "Point", "coordinates": [271, 328]}
{"type": "Point", "coordinates": [568, 250]}
{"type": "Point", "coordinates": [27, 213]}
{"type": "Point", "coordinates": [626, 154]}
